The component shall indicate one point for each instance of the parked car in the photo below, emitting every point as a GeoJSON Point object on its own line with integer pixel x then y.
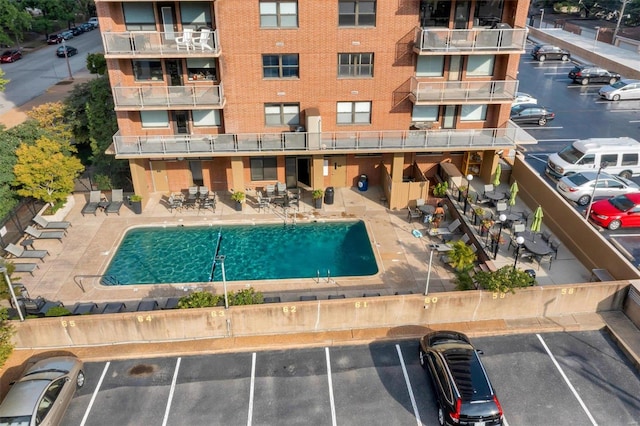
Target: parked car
{"type": "Point", "coordinates": [87, 26]}
{"type": "Point", "coordinates": [622, 211]}
{"type": "Point", "coordinates": [531, 113]}
{"type": "Point", "coordinates": [579, 187]}
{"type": "Point", "coordinates": [524, 98]}
{"type": "Point", "coordinates": [585, 74]}
{"type": "Point", "coordinates": [77, 30]}
{"type": "Point", "coordinates": [67, 35]}
{"type": "Point", "coordinates": [43, 393]}
{"type": "Point", "coordinates": [70, 51]}
{"type": "Point", "coordinates": [542, 52]}
{"type": "Point", "coordinates": [464, 394]}
{"type": "Point", "coordinates": [10, 55]}
{"type": "Point", "coordinates": [623, 89]}
{"type": "Point", "coordinates": [54, 39]}
{"type": "Point", "coordinates": [94, 21]}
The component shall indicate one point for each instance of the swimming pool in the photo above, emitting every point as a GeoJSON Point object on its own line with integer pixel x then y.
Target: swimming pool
{"type": "Point", "coordinates": [156, 255]}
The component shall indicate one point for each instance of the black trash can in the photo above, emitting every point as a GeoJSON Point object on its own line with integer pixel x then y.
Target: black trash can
{"type": "Point", "coordinates": [363, 183]}
{"type": "Point", "coordinates": [329, 193]}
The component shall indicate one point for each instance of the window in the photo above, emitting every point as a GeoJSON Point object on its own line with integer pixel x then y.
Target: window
{"type": "Point", "coordinates": [264, 168]}
{"type": "Point", "coordinates": [488, 13]}
{"type": "Point", "coordinates": [611, 159]}
{"type": "Point", "coordinates": [424, 113]}
{"type": "Point", "coordinates": [473, 113]}
{"type": "Point", "coordinates": [430, 66]}
{"type": "Point", "coordinates": [147, 70]}
{"type": "Point", "coordinates": [280, 66]}
{"type": "Point", "coordinates": [195, 15]}
{"type": "Point", "coordinates": [205, 117]}
{"type": "Point", "coordinates": [358, 13]}
{"type": "Point", "coordinates": [435, 13]}
{"type": "Point", "coordinates": [354, 112]}
{"type": "Point", "coordinates": [480, 65]}
{"type": "Point", "coordinates": [629, 159]}
{"type": "Point", "coordinates": [278, 14]}
{"type": "Point", "coordinates": [355, 64]}
{"type": "Point", "coordinates": [282, 114]}
{"type": "Point", "coordinates": [139, 16]}
{"type": "Point", "coordinates": [201, 69]}
{"type": "Point", "coordinates": [154, 119]}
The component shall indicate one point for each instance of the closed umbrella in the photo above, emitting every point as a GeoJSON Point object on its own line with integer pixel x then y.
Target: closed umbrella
{"type": "Point", "coordinates": [514, 192]}
{"type": "Point", "coordinates": [536, 225]}
{"type": "Point", "coordinates": [496, 178]}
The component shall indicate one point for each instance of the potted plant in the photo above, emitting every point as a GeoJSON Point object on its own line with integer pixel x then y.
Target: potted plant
{"type": "Point", "coordinates": [316, 195]}
{"type": "Point", "coordinates": [136, 203]}
{"type": "Point", "coordinates": [478, 213]}
{"type": "Point", "coordinates": [461, 257]}
{"type": "Point", "coordinates": [486, 225]}
{"type": "Point", "coordinates": [440, 190]}
{"type": "Point", "coordinates": [238, 197]}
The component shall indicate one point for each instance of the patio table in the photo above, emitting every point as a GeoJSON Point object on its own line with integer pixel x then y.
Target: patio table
{"type": "Point", "coordinates": [534, 243]}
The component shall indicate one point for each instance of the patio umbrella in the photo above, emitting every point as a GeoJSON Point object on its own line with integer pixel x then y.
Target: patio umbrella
{"type": "Point", "coordinates": [536, 225]}
{"type": "Point", "coordinates": [496, 178]}
{"type": "Point", "coordinates": [514, 192]}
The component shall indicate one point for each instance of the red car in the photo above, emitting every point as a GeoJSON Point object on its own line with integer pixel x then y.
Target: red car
{"type": "Point", "coordinates": [620, 211]}
{"type": "Point", "coordinates": [10, 56]}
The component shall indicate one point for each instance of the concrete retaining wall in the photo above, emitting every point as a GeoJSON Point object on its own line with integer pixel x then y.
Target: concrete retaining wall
{"type": "Point", "coordinates": [318, 316]}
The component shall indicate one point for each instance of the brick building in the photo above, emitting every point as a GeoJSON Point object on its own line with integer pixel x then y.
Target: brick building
{"type": "Point", "coordinates": [237, 94]}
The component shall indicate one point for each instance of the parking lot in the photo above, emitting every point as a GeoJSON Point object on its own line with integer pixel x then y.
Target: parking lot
{"type": "Point", "coordinates": [556, 378]}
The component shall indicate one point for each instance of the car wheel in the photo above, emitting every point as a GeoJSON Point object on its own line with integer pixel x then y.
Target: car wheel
{"type": "Point", "coordinates": [615, 224]}
{"type": "Point", "coordinates": [542, 58]}
{"type": "Point", "coordinates": [565, 58]}
{"type": "Point", "coordinates": [613, 80]}
{"type": "Point", "coordinates": [584, 81]}
{"type": "Point", "coordinates": [423, 358]}
{"type": "Point", "coordinates": [440, 416]}
{"type": "Point", "coordinates": [542, 121]}
{"type": "Point", "coordinates": [584, 200]}
{"type": "Point", "coordinates": [626, 174]}
{"type": "Point", "coordinates": [616, 97]}
{"type": "Point", "coordinates": [80, 379]}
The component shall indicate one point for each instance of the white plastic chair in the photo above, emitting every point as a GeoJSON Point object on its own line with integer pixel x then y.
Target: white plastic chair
{"type": "Point", "coordinates": [186, 40]}
{"type": "Point", "coordinates": [202, 42]}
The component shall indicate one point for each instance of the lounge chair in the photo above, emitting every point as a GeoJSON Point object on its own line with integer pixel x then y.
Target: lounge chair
{"type": "Point", "coordinates": [44, 235]}
{"type": "Point", "coordinates": [45, 224]}
{"type": "Point", "coordinates": [21, 253]}
{"type": "Point", "coordinates": [93, 203]}
{"type": "Point", "coordinates": [116, 202]}
{"type": "Point", "coordinates": [25, 267]}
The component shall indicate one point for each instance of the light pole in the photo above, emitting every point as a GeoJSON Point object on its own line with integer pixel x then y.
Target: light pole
{"type": "Point", "coordinates": [615, 33]}
{"type": "Point", "coordinates": [466, 194]}
{"type": "Point", "coordinates": [519, 241]}
{"type": "Point", "coordinates": [595, 41]}
{"type": "Point", "coordinates": [224, 280]}
{"type": "Point", "coordinates": [541, 17]}
{"type": "Point", "coordinates": [503, 218]}
{"type": "Point", "coordinates": [595, 185]}
{"type": "Point", "coordinates": [66, 57]}
{"type": "Point", "coordinates": [432, 247]}
{"type": "Point", "coordinates": [3, 270]}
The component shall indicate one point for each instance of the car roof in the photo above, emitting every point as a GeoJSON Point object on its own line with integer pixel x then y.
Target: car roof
{"type": "Point", "coordinates": [468, 372]}
{"type": "Point", "coordinates": [634, 197]}
{"type": "Point", "coordinates": [22, 398]}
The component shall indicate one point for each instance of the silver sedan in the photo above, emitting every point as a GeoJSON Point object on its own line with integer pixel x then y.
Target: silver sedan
{"type": "Point", "coordinates": [580, 187]}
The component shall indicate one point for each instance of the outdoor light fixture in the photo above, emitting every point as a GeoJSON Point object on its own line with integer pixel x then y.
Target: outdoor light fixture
{"type": "Point", "coordinates": [502, 218]}
{"type": "Point", "coordinates": [3, 270]}
{"type": "Point", "coordinates": [519, 242]}
{"type": "Point", "coordinates": [466, 195]}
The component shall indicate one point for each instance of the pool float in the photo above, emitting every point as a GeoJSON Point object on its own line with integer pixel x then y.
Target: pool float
{"type": "Point", "coordinates": [416, 233]}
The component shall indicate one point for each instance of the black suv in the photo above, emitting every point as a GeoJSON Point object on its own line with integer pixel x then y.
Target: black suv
{"type": "Point", "coordinates": [542, 52]}
{"type": "Point", "coordinates": [464, 394]}
{"type": "Point", "coordinates": [585, 74]}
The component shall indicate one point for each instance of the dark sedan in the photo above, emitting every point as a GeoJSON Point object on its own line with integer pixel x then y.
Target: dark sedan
{"type": "Point", "coordinates": [543, 52]}
{"type": "Point", "coordinates": [531, 113]}
{"type": "Point", "coordinates": [70, 51]}
{"type": "Point", "coordinates": [10, 56]}
{"type": "Point", "coordinates": [585, 74]}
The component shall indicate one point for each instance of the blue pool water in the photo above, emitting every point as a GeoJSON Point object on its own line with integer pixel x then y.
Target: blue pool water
{"type": "Point", "coordinates": [259, 252]}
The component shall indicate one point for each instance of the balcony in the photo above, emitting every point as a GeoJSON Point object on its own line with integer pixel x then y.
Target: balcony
{"type": "Point", "coordinates": [443, 41]}
{"type": "Point", "coordinates": [153, 44]}
{"type": "Point", "coordinates": [142, 98]}
{"type": "Point", "coordinates": [463, 92]}
{"type": "Point", "coordinates": [305, 143]}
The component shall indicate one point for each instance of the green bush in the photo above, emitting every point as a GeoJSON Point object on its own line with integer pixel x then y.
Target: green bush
{"type": "Point", "coordinates": [199, 299]}
{"type": "Point", "coordinates": [246, 297]}
{"type": "Point", "coordinates": [58, 311]}
{"type": "Point", "coordinates": [103, 182]}
{"type": "Point", "coordinates": [504, 280]}
{"type": "Point", "coordinates": [6, 334]}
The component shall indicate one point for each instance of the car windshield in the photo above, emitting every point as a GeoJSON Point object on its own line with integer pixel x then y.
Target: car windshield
{"type": "Point", "coordinates": [570, 154]}
{"type": "Point", "coordinates": [15, 421]}
{"type": "Point", "coordinates": [578, 179]}
{"type": "Point", "coordinates": [621, 202]}
{"type": "Point", "coordinates": [619, 84]}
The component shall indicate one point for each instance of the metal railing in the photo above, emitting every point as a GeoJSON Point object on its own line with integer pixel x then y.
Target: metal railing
{"type": "Point", "coordinates": [158, 44]}
{"type": "Point", "coordinates": [374, 141]}
{"type": "Point", "coordinates": [159, 97]}
{"type": "Point", "coordinates": [463, 91]}
{"type": "Point", "coordinates": [436, 41]}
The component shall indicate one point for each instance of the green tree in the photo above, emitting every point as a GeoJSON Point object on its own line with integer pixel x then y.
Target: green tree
{"type": "Point", "coordinates": [14, 21]}
{"type": "Point", "coordinates": [44, 172]}
{"type": "Point", "coordinates": [96, 63]}
{"type": "Point", "coordinates": [3, 81]}
{"type": "Point", "coordinates": [6, 335]}
{"type": "Point", "coordinates": [199, 299]}
{"type": "Point", "coordinates": [247, 296]}
{"type": "Point", "coordinates": [504, 280]}
{"type": "Point", "coordinates": [51, 118]}
{"type": "Point", "coordinates": [461, 256]}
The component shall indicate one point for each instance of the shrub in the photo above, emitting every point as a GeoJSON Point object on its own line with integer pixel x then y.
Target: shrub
{"type": "Point", "coordinates": [246, 297]}
{"type": "Point", "coordinates": [440, 190]}
{"type": "Point", "coordinates": [6, 335]}
{"type": "Point", "coordinates": [199, 299]}
{"type": "Point", "coordinates": [58, 311]}
{"type": "Point", "coordinates": [504, 280]}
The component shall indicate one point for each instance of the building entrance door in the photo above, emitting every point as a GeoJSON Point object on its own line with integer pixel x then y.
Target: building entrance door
{"type": "Point", "coordinates": [159, 176]}
{"type": "Point", "coordinates": [338, 171]}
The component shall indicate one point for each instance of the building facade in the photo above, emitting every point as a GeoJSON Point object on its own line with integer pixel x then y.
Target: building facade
{"type": "Point", "coordinates": [237, 94]}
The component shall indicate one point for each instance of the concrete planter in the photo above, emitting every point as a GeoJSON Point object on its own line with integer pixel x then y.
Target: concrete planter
{"type": "Point", "coordinates": [62, 213]}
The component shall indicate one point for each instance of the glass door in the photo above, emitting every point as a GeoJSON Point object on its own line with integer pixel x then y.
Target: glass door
{"type": "Point", "coordinates": [181, 122]}
{"type": "Point", "coordinates": [168, 22]}
{"type": "Point", "coordinates": [463, 11]}
{"type": "Point", "coordinates": [449, 117]}
{"type": "Point", "coordinates": [175, 72]}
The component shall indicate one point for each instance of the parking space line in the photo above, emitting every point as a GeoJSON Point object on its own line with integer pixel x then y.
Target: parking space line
{"type": "Point", "coordinates": [95, 393]}
{"type": "Point", "coordinates": [566, 379]}
{"type": "Point", "coordinates": [171, 392]}
{"type": "Point", "coordinates": [334, 422]}
{"type": "Point", "coordinates": [409, 388]}
{"type": "Point", "coordinates": [252, 389]}
{"type": "Point", "coordinates": [542, 128]}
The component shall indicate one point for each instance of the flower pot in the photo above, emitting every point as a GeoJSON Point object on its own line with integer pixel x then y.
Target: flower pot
{"type": "Point", "coordinates": [317, 203]}
{"type": "Point", "coordinates": [136, 206]}
{"type": "Point", "coordinates": [238, 206]}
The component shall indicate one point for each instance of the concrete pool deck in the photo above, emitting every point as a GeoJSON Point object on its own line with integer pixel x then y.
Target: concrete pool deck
{"type": "Point", "coordinates": [71, 272]}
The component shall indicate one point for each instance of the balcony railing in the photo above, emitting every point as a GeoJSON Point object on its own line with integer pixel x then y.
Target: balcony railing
{"type": "Point", "coordinates": [439, 41]}
{"type": "Point", "coordinates": [250, 143]}
{"type": "Point", "coordinates": [455, 92]}
{"type": "Point", "coordinates": [137, 98]}
{"type": "Point", "coordinates": [153, 44]}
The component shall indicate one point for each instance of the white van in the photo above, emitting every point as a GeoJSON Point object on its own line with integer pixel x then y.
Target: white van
{"type": "Point", "coordinates": [619, 156]}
